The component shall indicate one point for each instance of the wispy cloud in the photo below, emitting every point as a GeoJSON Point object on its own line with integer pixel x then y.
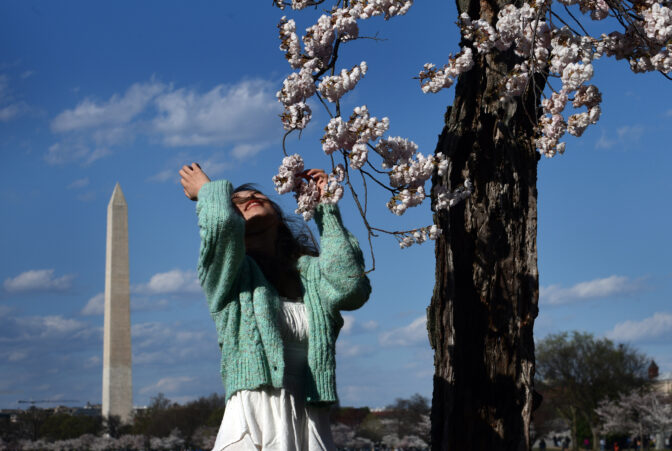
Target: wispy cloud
{"type": "Point", "coordinates": [347, 349]}
{"type": "Point", "coordinates": [413, 334]}
{"type": "Point", "coordinates": [654, 327]}
{"type": "Point", "coordinates": [612, 286]}
{"type": "Point", "coordinates": [168, 385]}
{"type": "Point", "coordinates": [352, 326]}
{"type": "Point", "coordinates": [240, 116]}
{"type": "Point", "coordinates": [37, 280]}
{"type": "Point", "coordinates": [236, 115]}
{"type": "Point", "coordinates": [74, 151]}
{"type": "Point", "coordinates": [79, 183]}
{"type": "Point", "coordinates": [95, 305]}
{"type": "Point", "coordinates": [32, 329]}
{"type": "Point", "coordinates": [10, 107]}
{"type": "Point", "coordinates": [624, 137]}
{"type": "Point", "coordinates": [630, 132]}
{"type": "Point", "coordinates": [164, 344]}
{"type": "Point", "coordinates": [117, 111]}
{"type": "Point", "coordinates": [171, 282]}
{"type": "Point", "coordinates": [213, 165]}
{"type": "Point", "coordinates": [604, 142]}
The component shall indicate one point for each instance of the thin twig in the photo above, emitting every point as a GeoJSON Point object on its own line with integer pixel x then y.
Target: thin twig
{"type": "Point", "coordinates": [378, 182]}
{"type": "Point", "coordinates": [585, 32]}
{"type": "Point", "coordinates": [284, 150]}
{"type": "Point", "coordinates": [566, 24]}
{"type": "Point", "coordinates": [324, 104]}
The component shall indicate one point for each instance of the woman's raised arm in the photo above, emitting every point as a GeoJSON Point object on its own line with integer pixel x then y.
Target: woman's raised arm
{"type": "Point", "coordinates": [222, 233]}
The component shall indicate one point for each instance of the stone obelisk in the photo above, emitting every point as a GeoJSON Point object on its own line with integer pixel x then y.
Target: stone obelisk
{"type": "Point", "coordinates": [117, 385]}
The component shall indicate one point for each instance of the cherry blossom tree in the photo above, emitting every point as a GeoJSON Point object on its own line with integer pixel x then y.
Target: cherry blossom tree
{"type": "Point", "coordinates": [523, 73]}
{"type": "Point", "coordinates": [638, 412]}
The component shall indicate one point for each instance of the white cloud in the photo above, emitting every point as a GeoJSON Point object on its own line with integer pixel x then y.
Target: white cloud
{"type": "Point", "coordinates": [79, 183]}
{"type": "Point", "coordinates": [87, 196]}
{"type": "Point", "coordinates": [38, 280]}
{"type": "Point", "coordinates": [62, 153]}
{"type": "Point", "coordinates": [167, 385]}
{"type": "Point", "coordinates": [117, 110]}
{"type": "Point", "coordinates": [243, 116]}
{"type": "Point", "coordinates": [630, 132]}
{"type": "Point", "coordinates": [10, 108]}
{"type": "Point", "coordinates": [240, 114]}
{"type": "Point", "coordinates": [242, 151]}
{"type": "Point", "coordinates": [16, 356]}
{"type": "Point", "coordinates": [40, 328]}
{"type": "Point", "coordinates": [9, 112]}
{"type": "Point", "coordinates": [604, 142]}
{"type": "Point", "coordinates": [351, 326]}
{"type": "Point", "coordinates": [592, 289]}
{"type": "Point", "coordinates": [175, 281]}
{"type": "Point", "coordinates": [92, 361]}
{"type": "Point", "coordinates": [164, 176]}
{"type": "Point", "coordinates": [213, 165]}
{"type": "Point", "coordinates": [149, 305]}
{"type": "Point", "coordinates": [345, 348]}
{"type": "Point", "coordinates": [625, 137]}
{"type": "Point", "coordinates": [410, 335]}
{"type": "Point", "coordinates": [657, 326]}
{"type": "Point", "coordinates": [149, 334]}
{"type": "Point", "coordinates": [95, 305]}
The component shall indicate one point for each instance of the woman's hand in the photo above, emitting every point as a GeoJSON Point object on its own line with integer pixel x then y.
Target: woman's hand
{"type": "Point", "coordinates": [193, 178]}
{"type": "Point", "coordinates": [319, 176]}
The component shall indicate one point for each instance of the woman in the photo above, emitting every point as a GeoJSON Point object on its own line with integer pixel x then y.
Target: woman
{"type": "Point", "coordinates": [276, 308]}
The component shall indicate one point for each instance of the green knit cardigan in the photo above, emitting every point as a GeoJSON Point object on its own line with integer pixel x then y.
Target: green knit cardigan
{"type": "Point", "coordinates": [245, 306]}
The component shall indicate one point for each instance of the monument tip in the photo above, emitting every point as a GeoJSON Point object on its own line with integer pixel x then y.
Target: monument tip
{"type": "Point", "coordinates": [117, 195]}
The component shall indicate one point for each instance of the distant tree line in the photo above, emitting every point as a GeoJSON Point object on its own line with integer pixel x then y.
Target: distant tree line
{"type": "Point", "coordinates": [165, 425]}
{"type": "Point", "coordinates": [162, 425]}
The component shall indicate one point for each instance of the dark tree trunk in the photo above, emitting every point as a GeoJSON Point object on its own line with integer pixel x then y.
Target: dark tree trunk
{"type": "Point", "coordinates": [485, 300]}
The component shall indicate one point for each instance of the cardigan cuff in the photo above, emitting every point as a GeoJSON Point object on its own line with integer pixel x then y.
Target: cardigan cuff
{"type": "Point", "coordinates": [328, 217]}
{"type": "Point", "coordinates": [215, 194]}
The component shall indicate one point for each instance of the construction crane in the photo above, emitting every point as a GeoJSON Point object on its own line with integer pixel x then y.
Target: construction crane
{"type": "Point", "coordinates": [45, 401]}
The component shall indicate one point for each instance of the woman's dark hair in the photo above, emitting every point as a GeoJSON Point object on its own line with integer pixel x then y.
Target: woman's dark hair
{"type": "Point", "coordinates": [294, 237]}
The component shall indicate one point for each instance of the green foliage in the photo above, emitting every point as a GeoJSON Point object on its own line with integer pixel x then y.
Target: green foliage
{"type": "Point", "coordinates": [575, 372]}
{"type": "Point", "coordinates": [162, 417]}
{"type": "Point", "coordinates": [62, 426]}
{"type": "Point", "coordinates": [372, 428]}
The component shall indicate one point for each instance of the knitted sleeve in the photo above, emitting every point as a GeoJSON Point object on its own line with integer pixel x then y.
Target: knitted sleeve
{"type": "Point", "coordinates": [341, 262]}
{"type": "Point", "coordinates": [222, 251]}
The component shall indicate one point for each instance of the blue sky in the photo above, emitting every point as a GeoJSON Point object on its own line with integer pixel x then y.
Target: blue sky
{"type": "Point", "coordinates": [92, 94]}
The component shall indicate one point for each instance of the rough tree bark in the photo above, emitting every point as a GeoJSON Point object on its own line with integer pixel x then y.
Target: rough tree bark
{"type": "Point", "coordinates": [485, 300]}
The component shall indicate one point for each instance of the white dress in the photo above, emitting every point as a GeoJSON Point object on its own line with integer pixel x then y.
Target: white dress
{"type": "Point", "coordinates": [279, 418]}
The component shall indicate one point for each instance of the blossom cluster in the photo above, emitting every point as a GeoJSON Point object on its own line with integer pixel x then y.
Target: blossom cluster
{"type": "Point", "coordinates": [292, 177]}
{"type": "Point", "coordinates": [433, 79]}
{"type": "Point", "coordinates": [418, 236]}
{"type": "Point", "coordinates": [353, 136]}
{"type": "Point", "coordinates": [446, 198]}
{"type": "Point", "coordinates": [563, 54]}
{"type": "Point", "coordinates": [313, 59]}
{"type": "Point", "coordinates": [333, 88]}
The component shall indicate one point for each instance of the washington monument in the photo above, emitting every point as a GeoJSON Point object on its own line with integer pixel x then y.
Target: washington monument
{"type": "Point", "coordinates": [117, 385]}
